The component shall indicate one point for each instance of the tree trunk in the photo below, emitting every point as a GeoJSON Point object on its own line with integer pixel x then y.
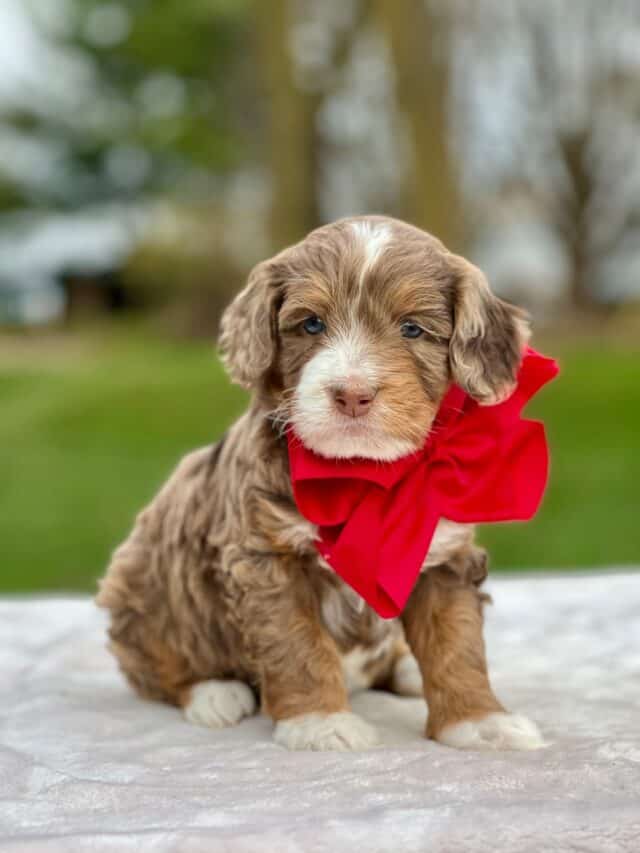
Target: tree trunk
{"type": "Point", "coordinates": [575, 150]}
{"type": "Point", "coordinates": [430, 195]}
{"type": "Point", "coordinates": [292, 144]}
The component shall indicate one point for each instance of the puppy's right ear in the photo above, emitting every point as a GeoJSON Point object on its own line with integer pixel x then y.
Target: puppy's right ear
{"type": "Point", "coordinates": [248, 328]}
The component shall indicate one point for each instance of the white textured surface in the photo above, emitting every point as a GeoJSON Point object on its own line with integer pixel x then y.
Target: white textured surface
{"type": "Point", "coordinates": [84, 765]}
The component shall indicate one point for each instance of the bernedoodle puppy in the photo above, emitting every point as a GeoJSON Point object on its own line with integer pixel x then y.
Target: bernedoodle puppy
{"type": "Point", "coordinates": [220, 598]}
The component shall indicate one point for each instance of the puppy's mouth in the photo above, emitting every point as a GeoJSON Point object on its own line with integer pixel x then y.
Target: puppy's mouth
{"type": "Point", "coordinates": [341, 411]}
{"type": "Point", "coordinates": [360, 423]}
{"type": "Point", "coordinates": [340, 435]}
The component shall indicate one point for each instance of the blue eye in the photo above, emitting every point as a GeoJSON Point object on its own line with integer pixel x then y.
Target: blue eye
{"type": "Point", "coordinates": [411, 330]}
{"type": "Point", "coordinates": [313, 326]}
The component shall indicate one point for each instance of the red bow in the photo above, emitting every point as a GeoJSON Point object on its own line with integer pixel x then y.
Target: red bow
{"type": "Point", "coordinates": [376, 519]}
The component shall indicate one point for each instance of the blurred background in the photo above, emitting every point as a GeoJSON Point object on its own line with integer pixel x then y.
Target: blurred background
{"type": "Point", "coordinates": [151, 151]}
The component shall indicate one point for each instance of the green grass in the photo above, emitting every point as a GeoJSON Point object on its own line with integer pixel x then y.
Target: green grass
{"type": "Point", "coordinates": [90, 429]}
{"type": "Point", "coordinates": [86, 440]}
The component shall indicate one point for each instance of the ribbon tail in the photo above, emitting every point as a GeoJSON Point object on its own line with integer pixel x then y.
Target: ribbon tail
{"type": "Point", "coordinates": [403, 553]}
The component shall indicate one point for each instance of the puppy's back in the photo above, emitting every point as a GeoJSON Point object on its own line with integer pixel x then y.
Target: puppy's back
{"type": "Point", "coordinates": [146, 586]}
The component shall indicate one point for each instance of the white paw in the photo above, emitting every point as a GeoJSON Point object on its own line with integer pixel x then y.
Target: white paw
{"type": "Point", "coordinates": [219, 703]}
{"type": "Point", "coordinates": [406, 679]}
{"type": "Point", "coordinates": [495, 731]}
{"type": "Point", "coordinates": [341, 731]}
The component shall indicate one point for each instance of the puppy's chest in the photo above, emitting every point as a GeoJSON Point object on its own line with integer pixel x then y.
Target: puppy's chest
{"type": "Point", "coordinates": [365, 640]}
{"type": "Point", "coordinates": [369, 643]}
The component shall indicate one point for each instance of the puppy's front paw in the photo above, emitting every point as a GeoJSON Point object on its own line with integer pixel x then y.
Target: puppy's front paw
{"type": "Point", "coordinates": [341, 731]}
{"type": "Point", "coordinates": [219, 703]}
{"type": "Point", "coordinates": [495, 731]}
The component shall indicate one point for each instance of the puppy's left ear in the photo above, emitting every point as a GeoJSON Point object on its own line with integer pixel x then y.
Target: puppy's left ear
{"type": "Point", "coordinates": [489, 336]}
{"type": "Point", "coordinates": [248, 328]}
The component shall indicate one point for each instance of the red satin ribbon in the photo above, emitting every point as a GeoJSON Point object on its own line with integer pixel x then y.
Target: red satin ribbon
{"type": "Point", "coordinates": [376, 519]}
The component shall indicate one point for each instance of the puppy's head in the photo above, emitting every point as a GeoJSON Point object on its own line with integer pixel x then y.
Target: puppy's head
{"type": "Point", "coordinates": [357, 332]}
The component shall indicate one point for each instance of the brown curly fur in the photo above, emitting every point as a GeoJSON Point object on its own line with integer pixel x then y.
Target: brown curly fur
{"type": "Point", "coordinates": [220, 577]}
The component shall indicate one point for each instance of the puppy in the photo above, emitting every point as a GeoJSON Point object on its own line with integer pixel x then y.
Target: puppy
{"type": "Point", "coordinates": [219, 596]}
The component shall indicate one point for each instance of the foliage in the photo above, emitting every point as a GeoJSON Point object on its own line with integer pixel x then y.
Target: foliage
{"type": "Point", "coordinates": [566, 135]}
{"type": "Point", "coordinates": [153, 107]}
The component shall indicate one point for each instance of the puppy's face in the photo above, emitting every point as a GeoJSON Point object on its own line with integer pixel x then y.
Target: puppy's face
{"type": "Point", "coordinates": [363, 343]}
{"type": "Point", "coordinates": [358, 330]}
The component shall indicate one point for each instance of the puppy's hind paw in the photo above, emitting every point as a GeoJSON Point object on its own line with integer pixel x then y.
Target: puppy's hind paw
{"type": "Point", "coordinates": [218, 704]}
{"type": "Point", "coordinates": [406, 679]}
{"type": "Point", "coordinates": [499, 730]}
{"type": "Point", "coordinates": [341, 731]}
